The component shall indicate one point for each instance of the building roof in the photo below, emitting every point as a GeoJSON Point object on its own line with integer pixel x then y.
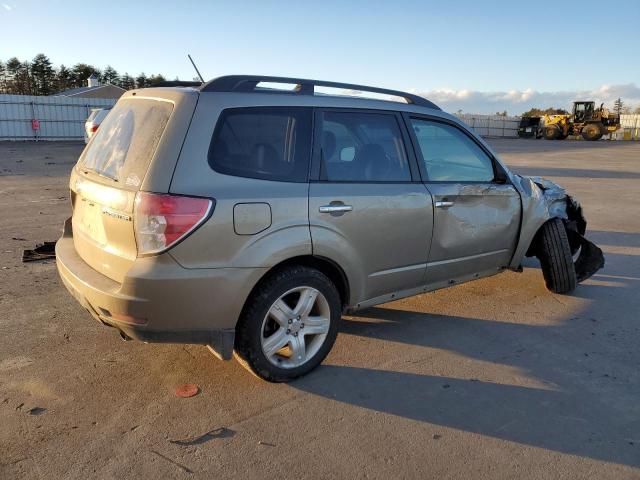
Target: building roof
{"type": "Point", "coordinates": [78, 90]}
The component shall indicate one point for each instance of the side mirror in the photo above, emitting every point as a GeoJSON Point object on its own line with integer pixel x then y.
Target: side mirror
{"type": "Point", "coordinates": [500, 176]}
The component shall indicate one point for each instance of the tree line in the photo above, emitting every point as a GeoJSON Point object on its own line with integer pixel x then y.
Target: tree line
{"type": "Point", "coordinates": [40, 77]}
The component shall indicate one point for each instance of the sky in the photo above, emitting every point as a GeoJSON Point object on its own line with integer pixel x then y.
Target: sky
{"type": "Point", "coordinates": [475, 56]}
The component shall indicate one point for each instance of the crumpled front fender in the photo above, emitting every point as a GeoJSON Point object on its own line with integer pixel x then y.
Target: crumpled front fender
{"type": "Point", "coordinates": [543, 200]}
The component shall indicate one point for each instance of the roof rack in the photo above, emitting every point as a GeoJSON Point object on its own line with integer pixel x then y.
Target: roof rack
{"type": "Point", "coordinates": [248, 83]}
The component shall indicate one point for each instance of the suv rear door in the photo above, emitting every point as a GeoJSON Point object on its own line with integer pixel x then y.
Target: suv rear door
{"type": "Point", "coordinates": [140, 130]}
{"type": "Point", "coordinates": [367, 209]}
{"type": "Point", "coordinates": [476, 210]}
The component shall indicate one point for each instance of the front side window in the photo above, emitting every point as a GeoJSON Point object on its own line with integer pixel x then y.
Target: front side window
{"type": "Point", "coordinates": [449, 155]}
{"type": "Point", "coordinates": [362, 147]}
{"type": "Point", "coordinates": [269, 143]}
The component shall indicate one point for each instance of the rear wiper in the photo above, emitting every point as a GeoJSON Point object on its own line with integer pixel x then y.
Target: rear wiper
{"type": "Point", "coordinates": [95, 172]}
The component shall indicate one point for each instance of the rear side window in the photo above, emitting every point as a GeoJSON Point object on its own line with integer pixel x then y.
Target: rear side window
{"type": "Point", "coordinates": [126, 140]}
{"type": "Point", "coordinates": [362, 147]}
{"type": "Point", "coordinates": [449, 155]}
{"type": "Point", "coordinates": [269, 143]}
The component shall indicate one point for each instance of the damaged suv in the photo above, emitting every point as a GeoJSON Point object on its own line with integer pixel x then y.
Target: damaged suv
{"type": "Point", "coordinates": [248, 218]}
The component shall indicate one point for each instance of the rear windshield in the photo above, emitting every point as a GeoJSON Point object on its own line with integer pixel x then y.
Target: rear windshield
{"type": "Point", "coordinates": [127, 139]}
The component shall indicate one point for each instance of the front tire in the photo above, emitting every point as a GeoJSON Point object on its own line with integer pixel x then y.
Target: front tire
{"type": "Point", "coordinates": [591, 132]}
{"type": "Point", "coordinates": [551, 132]}
{"type": "Point", "coordinates": [289, 324]}
{"type": "Point", "coordinates": [555, 257]}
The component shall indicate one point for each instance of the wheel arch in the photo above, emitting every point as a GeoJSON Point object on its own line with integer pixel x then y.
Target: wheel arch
{"type": "Point", "coordinates": [536, 239]}
{"type": "Point", "coordinates": [328, 267]}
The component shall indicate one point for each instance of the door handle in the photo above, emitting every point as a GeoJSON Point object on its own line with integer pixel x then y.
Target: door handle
{"type": "Point", "coordinates": [335, 208]}
{"type": "Point", "coordinates": [443, 204]}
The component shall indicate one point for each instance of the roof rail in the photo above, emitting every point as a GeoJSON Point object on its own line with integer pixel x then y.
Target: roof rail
{"type": "Point", "coordinates": [248, 83]}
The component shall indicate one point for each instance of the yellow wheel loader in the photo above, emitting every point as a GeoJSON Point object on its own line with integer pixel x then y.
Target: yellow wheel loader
{"type": "Point", "coordinates": [586, 120]}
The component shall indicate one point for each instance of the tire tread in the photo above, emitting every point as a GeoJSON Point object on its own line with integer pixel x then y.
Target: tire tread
{"type": "Point", "coordinates": [555, 258]}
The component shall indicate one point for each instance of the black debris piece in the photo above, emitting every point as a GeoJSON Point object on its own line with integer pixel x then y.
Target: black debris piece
{"type": "Point", "coordinates": [43, 251]}
{"type": "Point", "coordinates": [590, 259]}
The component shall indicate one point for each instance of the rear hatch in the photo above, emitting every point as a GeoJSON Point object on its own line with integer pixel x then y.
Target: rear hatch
{"type": "Point", "coordinates": [135, 149]}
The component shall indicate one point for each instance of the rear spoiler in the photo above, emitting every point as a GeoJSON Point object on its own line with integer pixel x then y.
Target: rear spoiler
{"type": "Point", "coordinates": [176, 83]}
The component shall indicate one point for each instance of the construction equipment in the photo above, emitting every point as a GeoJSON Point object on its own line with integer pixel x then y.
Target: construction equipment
{"type": "Point", "coordinates": [586, 120]}
{"type": "Point", "coordinates": [529, 127]}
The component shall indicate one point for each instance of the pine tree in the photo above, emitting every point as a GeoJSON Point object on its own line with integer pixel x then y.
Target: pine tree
{"type": "Point", "coordinates": [43, 75]}
{"type": "Point", "coordinates": [81, 72]}
{"type": "Point", "coordinates": [142, 81]}
{"type": "Point", "coordinates": [110, 75]}
{"type": "Point", "coordinates": [12, 70]}
{"type": "Point", "coordinates": [127, 82]}
{"type": "Point", "coordinates": [64, 80]}
{"type": "Point", "coordinates": [19, 81]}
{"type": "Point", "coordinates": [155, 79]}
{"type": "Point", "coordinates": [3, 73]}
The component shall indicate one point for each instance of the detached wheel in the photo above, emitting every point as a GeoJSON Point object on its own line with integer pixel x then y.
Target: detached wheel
{"type": "Point", "coordinates": [591, 132]}
{"type": "Point", "coordinates": [289, 324]}
{"type": "Point", "coordinates": [551, 132]}
{"type": "Point", "coordinates": [555, 257]}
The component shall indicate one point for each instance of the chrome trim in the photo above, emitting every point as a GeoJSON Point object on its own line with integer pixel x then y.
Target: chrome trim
{"type": "Point", "coordinates": [335, 208]}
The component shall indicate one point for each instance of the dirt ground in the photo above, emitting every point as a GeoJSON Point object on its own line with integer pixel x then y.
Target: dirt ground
{"type": "Point", "coordinates": [496, 378]}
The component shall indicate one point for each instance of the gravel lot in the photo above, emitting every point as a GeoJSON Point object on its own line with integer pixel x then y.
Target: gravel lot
{"type": "Point", "coordinates": [496, 378]}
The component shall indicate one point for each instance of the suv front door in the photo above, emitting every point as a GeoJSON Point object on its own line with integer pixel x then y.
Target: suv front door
{"type": "Point", "coordinates": [367, 208]}
{"type": "Point", "coordinates": [476, 210]}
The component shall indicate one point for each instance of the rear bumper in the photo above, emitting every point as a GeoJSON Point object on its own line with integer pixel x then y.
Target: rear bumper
{"type": "Point", "coordinates": [160, 300]}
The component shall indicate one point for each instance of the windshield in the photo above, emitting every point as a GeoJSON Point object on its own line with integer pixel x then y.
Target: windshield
{"type": "Point", "coordinates": [127, 139]}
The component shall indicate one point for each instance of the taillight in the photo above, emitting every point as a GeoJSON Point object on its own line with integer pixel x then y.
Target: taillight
{"type": "Point", "coordinates": [94, 128]}
{"type": "Point", "coordinates": [160, 221]}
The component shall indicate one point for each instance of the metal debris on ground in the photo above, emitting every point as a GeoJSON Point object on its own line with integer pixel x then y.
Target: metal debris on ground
{"type": "Point", "coordinates": [187, 390]}
{"type": "Point", "coordinates": [43, 251]}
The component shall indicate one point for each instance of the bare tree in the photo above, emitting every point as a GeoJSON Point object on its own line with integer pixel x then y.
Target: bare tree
{"type": "Point", "coordinates": [618, 105]}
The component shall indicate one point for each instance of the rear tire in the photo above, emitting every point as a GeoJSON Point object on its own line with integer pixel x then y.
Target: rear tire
{"type": "Point", "coordinates": [551, 132]}
{"type": "Point", "coordinates": [555, 257]}
{"type": "Point", "coordinates": [591, 132]}
{"type": "Point", "coordinates": [281, 336]}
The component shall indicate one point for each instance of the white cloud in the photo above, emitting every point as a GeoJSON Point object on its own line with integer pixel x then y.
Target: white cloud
{"type": "Point", "coordinates": [518, 101]}
{"type": "Point", "coordinates": [7, 7]}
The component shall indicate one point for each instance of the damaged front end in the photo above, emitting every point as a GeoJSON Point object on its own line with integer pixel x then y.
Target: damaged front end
{"type": "Point", "coordinates": [543, 200]}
